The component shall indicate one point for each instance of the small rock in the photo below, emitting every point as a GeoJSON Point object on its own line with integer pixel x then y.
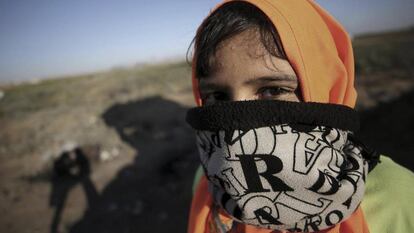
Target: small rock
{"type": "Point", "coordinates": [138, 207]}
{"type": "Point", "coordinates": [112, 207]}
{"type": "Point", "coordinates": [104, 156]}
{"type": "Point", "coordinates": [92, 120]}
{"type": "Point", "coordinates": [68, 146]}
{"type": "Point", "coordinates": [108, 155]}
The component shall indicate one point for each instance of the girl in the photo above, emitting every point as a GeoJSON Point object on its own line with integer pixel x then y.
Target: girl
{"type": "Point", "coordinates": [274, 85]}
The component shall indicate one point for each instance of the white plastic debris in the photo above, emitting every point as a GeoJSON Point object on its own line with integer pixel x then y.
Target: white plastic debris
{"type": "Point", "coordinates": [104, 156]}
{"type": "Point", "coordinates": [69, 146]}
{"type": "Point", "coordinates": [92, 120]}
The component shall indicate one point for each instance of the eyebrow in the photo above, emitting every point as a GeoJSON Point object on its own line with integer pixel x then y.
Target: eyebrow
{"type": "Point", "coordinates": [268, 79]}
{"type": "Point", "coordinates": [253, 81]}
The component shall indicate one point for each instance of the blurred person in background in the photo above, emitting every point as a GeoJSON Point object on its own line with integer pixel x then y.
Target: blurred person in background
{"type": "Point", "coordinates": [274, 85]}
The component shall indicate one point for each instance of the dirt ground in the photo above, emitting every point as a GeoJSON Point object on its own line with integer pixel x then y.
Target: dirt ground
{"type": "Point", "coordinates": [137, 160]}
{"type": "Point", "coordinates": [136, 175]}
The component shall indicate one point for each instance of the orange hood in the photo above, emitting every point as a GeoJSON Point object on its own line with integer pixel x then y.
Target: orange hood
{"type": "Point", "coordinates": [317, 46]}
{"type": "Point", "coordinates": [320, 52]}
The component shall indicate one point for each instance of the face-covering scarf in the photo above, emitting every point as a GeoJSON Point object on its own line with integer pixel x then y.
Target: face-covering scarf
{"type": "Point", "coordinates": [281, 165]}
{"type": "Point", "coordinates": [320, 52]}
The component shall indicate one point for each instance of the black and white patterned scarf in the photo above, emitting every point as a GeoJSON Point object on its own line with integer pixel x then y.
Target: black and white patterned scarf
{"type": "Point", "coordinates": [282, 165]}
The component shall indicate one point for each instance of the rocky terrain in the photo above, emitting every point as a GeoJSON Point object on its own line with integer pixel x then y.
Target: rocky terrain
{"type": "Point", "coordinates": [111, 152]}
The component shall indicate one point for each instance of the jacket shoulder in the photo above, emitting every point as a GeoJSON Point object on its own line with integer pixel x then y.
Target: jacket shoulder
{"type": "Point", "coordinates": [388, 203]}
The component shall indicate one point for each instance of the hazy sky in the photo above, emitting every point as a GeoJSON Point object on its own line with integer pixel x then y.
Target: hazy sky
{"type": "Point", "coordinates": [46, 38]}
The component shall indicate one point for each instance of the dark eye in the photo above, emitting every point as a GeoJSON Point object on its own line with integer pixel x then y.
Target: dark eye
{"type": "Point", "coordinates": [271, 92]}
{"type": "Point", "coordinates": [214, 97]}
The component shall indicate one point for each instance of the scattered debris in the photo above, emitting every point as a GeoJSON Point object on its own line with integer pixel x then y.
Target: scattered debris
{"type": "Point", "coordinates": [105, 155]}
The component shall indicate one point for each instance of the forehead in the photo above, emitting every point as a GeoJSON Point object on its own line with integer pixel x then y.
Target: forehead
{"type": "Point", "coordinates": [244, 47]}
{"type": "Point", "coordinates": [244, 56]}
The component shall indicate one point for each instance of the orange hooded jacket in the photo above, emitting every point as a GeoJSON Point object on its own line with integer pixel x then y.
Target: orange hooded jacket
{"type": "Point", "coordinates": [320, 52]}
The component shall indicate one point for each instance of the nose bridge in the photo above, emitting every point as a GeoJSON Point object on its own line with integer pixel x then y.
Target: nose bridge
{"type": "Point", "coordinates": [241, 93]}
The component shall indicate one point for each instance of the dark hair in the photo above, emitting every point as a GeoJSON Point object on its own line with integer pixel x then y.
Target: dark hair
{"type": "Point", "coordinates": [227, 21]}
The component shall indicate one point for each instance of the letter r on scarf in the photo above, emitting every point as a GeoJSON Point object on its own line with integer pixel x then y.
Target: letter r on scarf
{"type": "Point", "coordinates": [273, 165]}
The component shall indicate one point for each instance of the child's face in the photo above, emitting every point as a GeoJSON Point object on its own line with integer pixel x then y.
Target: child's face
{"type": "Point", "coordinates": [244, 70]}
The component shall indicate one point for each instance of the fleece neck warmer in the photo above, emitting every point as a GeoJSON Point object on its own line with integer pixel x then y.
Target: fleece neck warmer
{"type": "Point", "coordinates": [320, 52]}
{"type": "Point", "coordinates": [281, 165]}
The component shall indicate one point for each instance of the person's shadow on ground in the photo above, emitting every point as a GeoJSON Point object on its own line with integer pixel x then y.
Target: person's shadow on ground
{"type": "Point", "coordinates": [69, 169]}
{"type": "Point", "coordinates": [154, 193]}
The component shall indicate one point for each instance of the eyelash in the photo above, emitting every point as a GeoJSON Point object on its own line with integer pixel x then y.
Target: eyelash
{"type": "Point", "coordinates": [206, 97]}
{"type": "Point", "coordinates": [220, 96]}
{"type": "Point", "coordinates": [279, 90]}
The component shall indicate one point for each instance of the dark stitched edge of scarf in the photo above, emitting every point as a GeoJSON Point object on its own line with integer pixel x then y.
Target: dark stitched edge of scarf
{"type": "Point", "coordinates": [245, 115]}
